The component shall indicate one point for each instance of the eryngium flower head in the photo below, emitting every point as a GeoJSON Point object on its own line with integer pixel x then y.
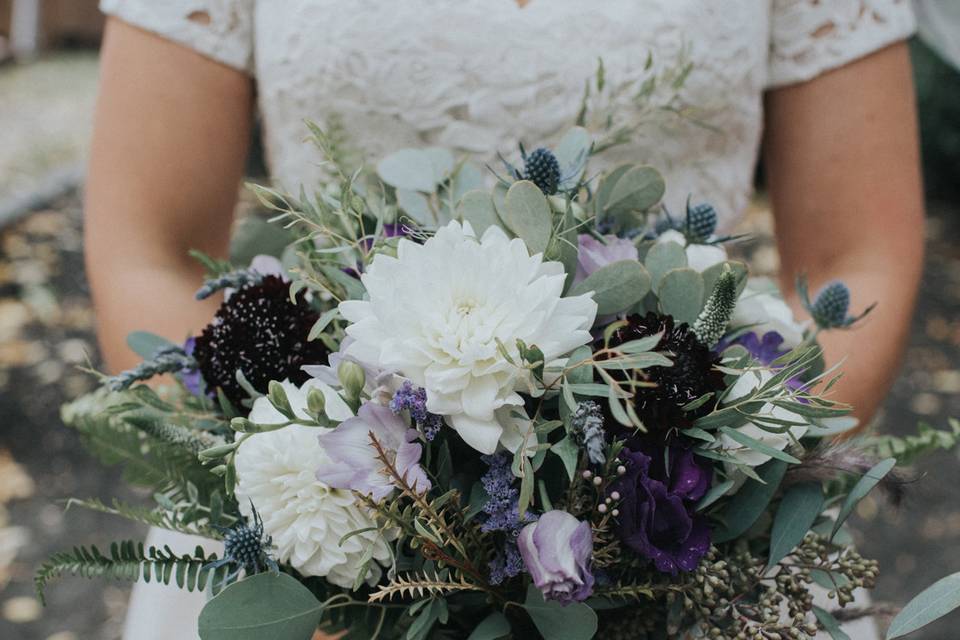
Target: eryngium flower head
{"type": "Point", "coordinates": [542, 168]}
{"type": "Point", "coordinates": [259, 331]}
{"type": "Point", "coordinates": [692, 375]}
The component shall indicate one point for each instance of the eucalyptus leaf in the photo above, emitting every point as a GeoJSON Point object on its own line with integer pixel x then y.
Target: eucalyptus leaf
{"type": "Point", "coordinates": [266, 605]}
{"type": "Point", "coordinates": [607, 182]}
{"type": "Point", "coordinates": [746, 506]}
{"type": "Point", "coordinates": [760, 447]}
{"type": "Point", "coordinates": [467, 178]}
{"type": "Point", "coordinates": [476, 207]}
{"type": "Point", "coordinates": [661, 258]}
{"type": "Point", "coordinates": [411, 169]}
{"type": "Point", "coordinates": [527, 214]}
{"type": "Point", "coordinates": [799, 509]}
{"type": "Point", "coordinates": [569, 453]}
{"type": "Point", "coordinates": [145, 344]}
{"type": "Point", "coordinates": [492, 627]}
{"type": "Point", "coordinates": [571, 153]}
{"type": "Point", "coordinates": [415, 205]}
{"type": "Point", "coordinates": [859, 491]}
{"type": "Point", "coordinates": [829, 624]}
{"type": "Point", "coordinates": [681, 294]}
{"type": "Point", "coordinates": [256, 236]}
{"type": "Point", "coordinates": [616, 287]}
{"type": "Point", "coordinates": [716, 492]}
{"type": "Point", "coordinates": [637, 190]}
{"type": "Point", "coordinates": [934, 602]}
{"type": "Point", "coordinates": [554, 621]}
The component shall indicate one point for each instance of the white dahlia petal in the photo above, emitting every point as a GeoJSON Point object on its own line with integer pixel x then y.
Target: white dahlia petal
{"type": "Point", "coordinates": [305, 517]}
{"type": "Point", "coordinates": [437, 312]}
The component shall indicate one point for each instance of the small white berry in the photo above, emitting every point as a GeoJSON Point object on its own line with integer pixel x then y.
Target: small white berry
{"type": "Point", "coordinates": [615, 513]}
{"type": "Point", "coordinates": [598, 481]}
{"type": "Point", "coordinates": [615, 495]}
{"type": "Point", "coordinates": [621, 470]}
{"type": "Point", "coordinates": [602, 508]}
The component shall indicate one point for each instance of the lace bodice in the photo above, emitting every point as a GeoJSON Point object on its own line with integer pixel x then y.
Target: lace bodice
{"type": "Point", "coordinates": [478, 76]}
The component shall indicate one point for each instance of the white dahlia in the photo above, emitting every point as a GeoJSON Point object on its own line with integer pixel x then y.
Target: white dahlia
{"type": "Point", "coordinates": [276, 471]}
{"type": "Point", "coordinates": [436, 312]}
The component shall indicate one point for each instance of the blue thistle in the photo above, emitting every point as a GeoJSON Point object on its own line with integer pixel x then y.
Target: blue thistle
{"type": "Point", "coordinates": [542, 168]}
{"type": "Point", "coordinates": [831, 306]}
{"type": "Point", "coordinates": [245, 549]}
{"type": "Point", "coordinates": [701, 222]}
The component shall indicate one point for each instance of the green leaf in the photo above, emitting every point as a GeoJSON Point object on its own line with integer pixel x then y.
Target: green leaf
{"type": "Point", "coordinates": [322, 322]}
{"type": "Point", "coordinates": [829, 624]}
{"type": "Point", "coordinates": [407, 169]}
{"type": "Point", "coordinates": [569, 453]}
{"type": "Point", "coordinates": [145, 344]}
{"type": "Point", "coordinates": [681, 294]}
{"type": "Point", "coordinates": [796, 514]}
{"type": "Point", "coordinates": [256, 236]}
{"type": "Point", "coordinates": [415, 205]}
{"type": "Point", "coordinates": [574, 621]}
{"type": "Point", "coordinates": [757, 445]}
{"type": "Point", "coordinates": [934, 602]}
{"type": "Point", "coordinates": [527, 214]}
{"type": "Point", "coordinates": [267, 605]}
{"type": "Point", "coordinates": [476, 207]}
{"type": "Point", "coordinates": [663, 257]}
{"type": "Point", "coordinates": [493, 626]}
{"type": "Point", "coordinates": [751, 501]}
{"type": "Point", "coordinates": [616, 287]}
{"type": "Point", "coordinates": [716, 492]}
{"type": "Point", "coordinates": [572, 152]}
{"type": "Point", "coordinates": [864, 486]}
{"type": "Point", "coordinates": [637, 190]}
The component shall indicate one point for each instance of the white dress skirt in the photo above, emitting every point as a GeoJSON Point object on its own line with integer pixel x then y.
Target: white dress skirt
{"type": "Point", "coordinates": [480, 76]}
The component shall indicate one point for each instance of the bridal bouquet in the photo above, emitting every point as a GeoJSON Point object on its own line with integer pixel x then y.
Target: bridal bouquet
{"type": "Point", "coordinates": [543, 409]}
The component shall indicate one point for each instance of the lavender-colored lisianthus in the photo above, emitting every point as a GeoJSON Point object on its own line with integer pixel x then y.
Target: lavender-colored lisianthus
{"type": "Point", "coordinates": [765, 349]}
{"type": "Point", "coordinates": [556, 551]}
{"type": "Point", "coordinates": [354, 460]}
{"type": "Point", "coordinates": [594, 254]}
{"type": "Point", "coordinates": [191, 378]}
{"type": "Point", "coordinates": [657, 517]}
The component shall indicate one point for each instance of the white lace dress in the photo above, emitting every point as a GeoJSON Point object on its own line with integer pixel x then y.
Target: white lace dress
{"type": "Point", "coordinates": [477, 76]}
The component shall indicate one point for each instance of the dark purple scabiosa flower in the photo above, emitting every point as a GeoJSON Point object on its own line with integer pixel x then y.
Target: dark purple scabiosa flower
{"type": "Point", "coordinates": [260, 332]}
{"type": "Point", "coordinates": [556, 551]}
{"type": "Point", "coordinates": [414, 400]}
{"type": "Point", "coordinates": [692, 375]}
{"type": "Point", "coordinates": [656, 502]}
{"type": "Point", "coordinates": [502, 514]}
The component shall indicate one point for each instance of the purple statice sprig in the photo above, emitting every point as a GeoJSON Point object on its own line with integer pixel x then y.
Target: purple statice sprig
{"type": "Point", "coordinates": [414, 400]}
{"type": "Point", "coordinates": [502, 515]}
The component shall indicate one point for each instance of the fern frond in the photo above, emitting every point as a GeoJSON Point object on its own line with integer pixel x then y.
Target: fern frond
{"type": "Point", "coordinates": [127, 560]}
{"type": "Point", "coordinates": [419, 585]}
{"type": "Point", "coordinates": [620, 591]}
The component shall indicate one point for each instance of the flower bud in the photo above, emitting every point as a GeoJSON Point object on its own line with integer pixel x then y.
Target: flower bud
{"type": "Point", "coordinates": [217, 452]}
{"type": "Point", "coordinates": [352, 379]}
{"type": "Point", "coordinates": [278, 398]}
{"type": "Point", "coordinates": [316, 403]}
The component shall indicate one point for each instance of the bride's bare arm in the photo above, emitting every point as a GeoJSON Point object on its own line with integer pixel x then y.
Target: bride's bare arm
{"type": "Point", "coordinates": [842, 162]}
{"type": "Point", "coordinates": [170, 139]}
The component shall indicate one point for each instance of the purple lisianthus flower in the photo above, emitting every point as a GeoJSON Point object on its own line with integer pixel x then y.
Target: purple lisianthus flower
{"type": "Point", "coordinates": [556, 550]}
{"type": "Point", "coordinates": [191, 378]}
{"type": "Point", "coordinates": [354, 463]}
{"type": "Point", "coordinates": [764, 349]}
{"type": "Point", "coordinates": [594, 254]}
{"type": "Point", "coordinates": [657, 499]}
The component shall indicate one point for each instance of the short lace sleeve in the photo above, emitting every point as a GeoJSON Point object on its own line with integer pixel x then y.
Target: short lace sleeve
{"type": "Point", "coordinates": [808, 37]}
{"type": "Point", "coordinates": [219, 29]}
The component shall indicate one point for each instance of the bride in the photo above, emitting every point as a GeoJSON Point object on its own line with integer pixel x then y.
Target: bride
{"type": "Point", "coordinates": [827, 83]}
